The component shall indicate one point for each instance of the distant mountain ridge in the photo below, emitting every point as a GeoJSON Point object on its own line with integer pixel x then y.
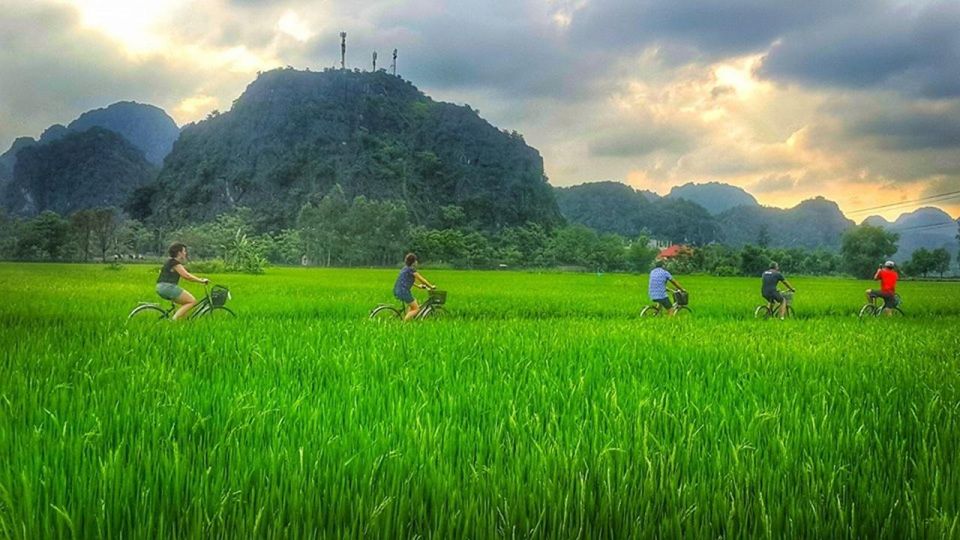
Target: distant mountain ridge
{"type": "Point", "coordinates": [714, 196]}
{"type": "Point", "coordinates": [927, 227]}
{"type": "Point", "coordinates": [812, 224]}
{"type": "Point", "coordinates": [148, 128]}
{"type": "Point", "coordinates": [815, 223]}
{"type": "Point", "coordinates": [80, 170]}
{"type": "Point", "coordinates": [296, 134]}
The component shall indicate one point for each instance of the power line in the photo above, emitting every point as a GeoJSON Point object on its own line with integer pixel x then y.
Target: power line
{"type": "Point", "coordinates": [927, 199]}
{"type": "Point", "coordinates": [927, 226]}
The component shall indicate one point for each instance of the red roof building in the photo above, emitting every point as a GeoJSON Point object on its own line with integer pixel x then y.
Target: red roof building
{"type": "Point", "coordinates": [673, 251]}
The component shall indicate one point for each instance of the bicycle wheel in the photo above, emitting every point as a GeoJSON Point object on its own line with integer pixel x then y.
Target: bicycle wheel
{"type": "Point", "coordinates": [868, 310]}
{"type": "Point", "coordinates": [147, 312]}
{"type": "Point", "coordinates": [219, 312]}
{"type": "Point", "coordinates": [433, 312]}
{"type": "Point", "coordinates": [762, 312]}
{"type": "Point", "coordinates": [650, 311]}
{"type": "Point", "coordinates": [199, 310]}
{"type": "Point", "coordinates": [385, 313]}
{"type": "Point", "coordinates": [683, 311]}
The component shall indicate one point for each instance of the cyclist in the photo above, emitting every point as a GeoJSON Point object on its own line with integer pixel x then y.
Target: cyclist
{"type": "Point", "coordinates": [657, 287]}
{"type": "Point", "coordinates": [405, 281]}
{"type": "Point", "coordinates": [888, 287]}
{"type": "Point", "coordinates": [168, 281]}
{"type": "Point", "coordinates": [771, 278]}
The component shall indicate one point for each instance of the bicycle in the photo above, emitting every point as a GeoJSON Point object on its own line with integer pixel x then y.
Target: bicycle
{"type": "Point", "coordinates": [680, 300]}
{"type": "Point", "coordinates": [212, 304]}
{"type": "Point", "coordinates": [772, 309]}
{"type": "Point", "coordinates": [432, 308]}
{"type": "Point", "coordinates": [875, 309]}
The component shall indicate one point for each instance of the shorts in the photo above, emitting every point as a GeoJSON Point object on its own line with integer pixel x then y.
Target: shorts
{"type": "Point", "coordinates": [404, 296]}
{"type": "Point", "coordinates": [665, 302]}
{"type": "Point", "coordinates": [169, 291]}
{"type": "Point", "coordinates": [889, 299]}
{"type": "Point", "coordinates": [773, 297]}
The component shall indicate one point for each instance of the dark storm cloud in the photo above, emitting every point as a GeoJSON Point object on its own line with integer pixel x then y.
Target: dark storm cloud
{"type": "Point", "coordinates": [911, 131]}
{"type": "Point", "coordinates": [503, 47]}
{"type": "Point", "coordinates": [915, 50]}
{"type": "Point", "coordinates": [710, 29]}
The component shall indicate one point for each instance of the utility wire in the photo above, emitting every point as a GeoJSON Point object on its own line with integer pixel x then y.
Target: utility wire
{"type": "Point", "coordinates": [927, 226]}
{"type": "Point", "coordinates": [929, 199]}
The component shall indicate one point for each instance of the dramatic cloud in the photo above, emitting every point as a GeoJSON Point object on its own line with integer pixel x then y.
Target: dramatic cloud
{"type": "Point", "coordinates": [913, 48]}
{"type": "Point", "coordinates": [856, 100]}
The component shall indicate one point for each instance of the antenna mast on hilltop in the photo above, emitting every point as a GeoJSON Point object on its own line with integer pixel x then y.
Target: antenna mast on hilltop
{"type": "Point", "coordinates": [393, 66]}
{"type": "Point", "coordinates": [343, 50]}
{"type": "Point", "coordinates": [374, 61]}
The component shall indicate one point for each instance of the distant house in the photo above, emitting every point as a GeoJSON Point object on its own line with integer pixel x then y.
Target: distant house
{"type": "Point", "coordinates": [658, 244]}
{"type": "Point", "coordinates": [673, 251]}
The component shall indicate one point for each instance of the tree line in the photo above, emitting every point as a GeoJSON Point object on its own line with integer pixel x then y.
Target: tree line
{"type": "Point", "coordinates": [334, 230]}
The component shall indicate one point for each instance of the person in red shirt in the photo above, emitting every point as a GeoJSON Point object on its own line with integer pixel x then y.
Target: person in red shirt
{"type": "Point", "coordinates": [888, 287]}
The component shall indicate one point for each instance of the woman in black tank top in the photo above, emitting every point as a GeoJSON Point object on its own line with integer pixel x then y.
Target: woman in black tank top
{"type": "Point", "coordinates": [168, 282]}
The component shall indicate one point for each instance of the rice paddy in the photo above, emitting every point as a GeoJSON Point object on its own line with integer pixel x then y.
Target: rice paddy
{"type": "Point", "coordinates": [542, 407]}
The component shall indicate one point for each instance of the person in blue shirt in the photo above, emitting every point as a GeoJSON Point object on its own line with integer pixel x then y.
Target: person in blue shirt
{"type": "Point", "coordinates": [405, 281]}
{"type": "Point", "coordinates": [657, 288]}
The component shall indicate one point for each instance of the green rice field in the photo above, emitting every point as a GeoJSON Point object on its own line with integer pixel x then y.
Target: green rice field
{"type": "Point", "coordinates": [541, 407]}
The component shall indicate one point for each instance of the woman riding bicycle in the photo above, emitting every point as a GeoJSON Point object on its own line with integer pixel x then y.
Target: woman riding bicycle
{"type": "Point", "coordinates": [168, 281]}
{"type": "Point", "coordinates": [405, 282]}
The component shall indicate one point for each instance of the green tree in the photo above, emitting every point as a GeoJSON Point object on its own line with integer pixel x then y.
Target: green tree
{"type": "Point", "coordinates": [44, 237]}
{"type": "Point", "coordinates": [288, 247]}
{"type": "Point", "coordinates": [320, 226]}
{"type": "Point", "coordinates": [438, 245]}
{"type": "Point", "coordinates": [763, 236]}
{"type": "Point", "coordinates": [718, 260]}
{"type": "Point", "coordinates": [940, 261]}
{"type": "Point", "coordinates": [573, 245]}
{"type": "Point", "coordinates": [82, 224]}
{"type": "Point", "coordinates": [452, 217]}
{"type": "Point", "coordinates": [864, 247]}
{"type": "Point", "coordinates": [10, 229]}
{"type": "Point", "coordinates": [524, 246]}
{"type": "Point", "coordinates": [820, 262]}
{"type": "Point", "coordinates": [921, 263]}
{"type": "Point", "coordinates": [609, 253]}
{"type": "Point", "coordinates": [753, 260]}
{"type": "Point", "coordinates": [134, 238]}
{"type": "Point", "coordinates": [240, 254]}
{"type": "Point", "coordinates": [104, 222]}
{"type": "Point", "coordinates": [640, 255]}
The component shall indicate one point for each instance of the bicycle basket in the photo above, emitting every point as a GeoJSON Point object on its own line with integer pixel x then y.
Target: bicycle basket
{"type": "Point", "coordinates": [438, 297]}
{"type": "Point", "coordinates": [897, 300]}
{"type": "Point", "coordinates": [219, 295]}
{"type": "Point", "coordinates": [681, 298]}
{"type": "Point", "coordinates": [787, 297]}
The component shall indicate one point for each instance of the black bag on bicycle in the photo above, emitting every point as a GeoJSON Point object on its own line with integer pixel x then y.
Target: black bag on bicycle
{"type": "Point", "coordinates": [681, 298]}
{"type": "Point", "coordinates": [219, 295]}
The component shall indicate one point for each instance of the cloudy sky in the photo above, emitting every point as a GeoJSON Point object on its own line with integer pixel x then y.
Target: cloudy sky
{"type": "Point", "coordinates": [856, 100]}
